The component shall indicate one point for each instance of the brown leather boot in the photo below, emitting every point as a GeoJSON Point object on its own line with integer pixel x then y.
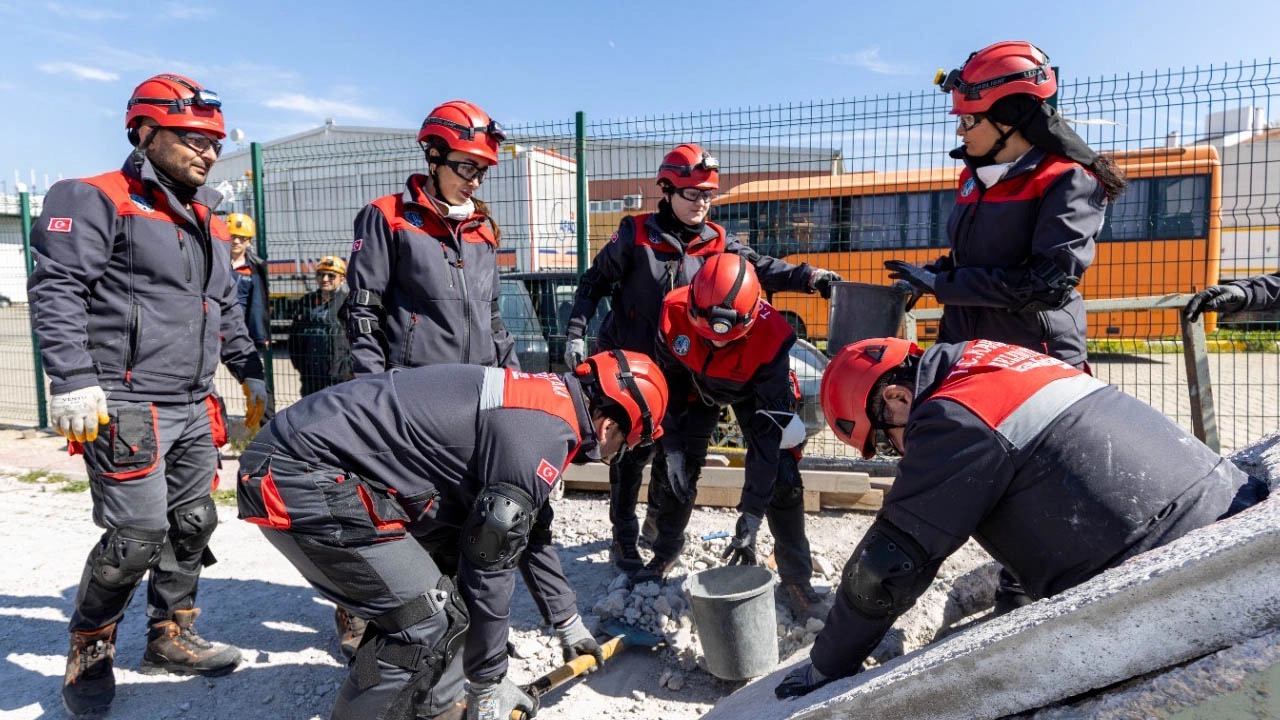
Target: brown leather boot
{"type": "Point", "coordinates": [350, 631]}
{"type": "Point", "coordinates": [625, 557]}
{"type": "Point", "coordinates": [656, 571]}
{"type": "Point", "coordinates": [90, 683]}
{"type": "Point", "coordinates": [173, 646]}
{"type": "Point", "coordinates": [800, 599]}
{"type": "Point", "coordinates": [456, 711]}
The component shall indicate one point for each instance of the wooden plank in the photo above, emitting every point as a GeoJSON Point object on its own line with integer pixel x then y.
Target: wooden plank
{"type": "Point", "coordinates": [828, 481]}
{"type": "Point", "coordinates": [869, 501]}
{"type": "Point", "coordinates": [812, 500]}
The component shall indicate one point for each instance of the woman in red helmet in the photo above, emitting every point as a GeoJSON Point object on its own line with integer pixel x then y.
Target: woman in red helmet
{"type": "Point", "coordinates": [1031, 202]}
{"type": "Point", "coordinates": [423, 272]}
{"type": "Point", "coordinates": [650, 255]}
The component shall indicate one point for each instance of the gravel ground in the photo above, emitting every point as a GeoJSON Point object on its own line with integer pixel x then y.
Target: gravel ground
{"type": "Point", "coordinates": [255, 600]}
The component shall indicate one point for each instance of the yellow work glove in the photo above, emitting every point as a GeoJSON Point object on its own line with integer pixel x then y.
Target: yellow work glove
{"type": "Point", "coordinates": [256, 398]}
{"type": "Point", "coordinates": [76, 415]}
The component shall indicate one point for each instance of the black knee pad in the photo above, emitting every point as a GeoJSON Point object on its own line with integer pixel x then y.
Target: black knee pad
{"type": "Point", "coordinates": [191, 525]}
{"type": "Point", "coordinates": [887, 572]}
{"type": "Point", "coordinates": [125, 555]}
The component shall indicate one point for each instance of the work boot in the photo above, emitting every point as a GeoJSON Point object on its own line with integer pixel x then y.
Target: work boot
{"type": "Point", "coordinates": [626, 557]}
{"type": "Point", "coordinates": [656, 571]}
{"type": "Point", "coordinates": [90, 685]}
{"type": "Point", "coordinates": [649, 530]}
{"type": "Point", "coordinates": [350, 631]}
{"type": "Point", "coordinates": [173, 646]}
{"type": "Point", "coordinates": [800, 600]}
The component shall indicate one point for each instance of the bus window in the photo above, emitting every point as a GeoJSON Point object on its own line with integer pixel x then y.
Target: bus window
{"type": "Point", "coordinates": [878, 222]}
{"type": "Point", "coordinates": [1128, 218]}
{"type": "Point", "coordinates": [944, 203]}
{"type": "Point", "coordinates": [1182, 207]}
{"type": "Point", "coordinates": [919, 225]}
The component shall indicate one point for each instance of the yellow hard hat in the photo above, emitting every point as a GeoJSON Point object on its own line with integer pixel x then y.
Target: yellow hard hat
{"type": "Point", "coordinates": [241, 225]}
{"type": "Point", "coordinates": [332, 263]}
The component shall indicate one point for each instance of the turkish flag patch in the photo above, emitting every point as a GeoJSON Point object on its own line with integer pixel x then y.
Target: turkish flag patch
{"type": "Point", "coordinates": [355, 246]}
{"type": "Point", "coordinates": [60, 225]}
{"type": "Point", "coordinates": [548, 473]}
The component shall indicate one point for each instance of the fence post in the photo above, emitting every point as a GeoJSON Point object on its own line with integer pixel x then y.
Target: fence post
{"type": "Point", "coordinates": [580, 153]}
{"type": "Point", "coordinates": [1204, 422]}
{"type": "Point", "coordinates": [42, 409]}
{"type": "Point", "coordinates": [260, 220]}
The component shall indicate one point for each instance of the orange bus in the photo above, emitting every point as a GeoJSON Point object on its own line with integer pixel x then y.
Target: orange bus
{"type": "Point", "coordinates": [1161, 236]}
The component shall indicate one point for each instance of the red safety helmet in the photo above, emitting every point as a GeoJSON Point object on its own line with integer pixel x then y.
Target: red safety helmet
{"type": "Point", "coordinates": [174, 101]}
{"type": "Point", "coordinates": [632, 380]}
{"type": "Point", "coordinates": [723, 297]}
{"type": "Point", "coordinates": [689, 166]}
{"type": "Point", "coordinates": [847, 384]}
{"type": "Point", "coordinates": [1007, 68]}
{"type": "Point", "coordinates": [465, 128]}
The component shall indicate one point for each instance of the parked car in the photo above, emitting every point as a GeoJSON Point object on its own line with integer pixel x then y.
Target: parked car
{"type": "Point", "coordinates": [5, 301]}
{"type": "Point", "coordinates": [518, 314]}
{"type": "Point", "coordinates": [552, 297]}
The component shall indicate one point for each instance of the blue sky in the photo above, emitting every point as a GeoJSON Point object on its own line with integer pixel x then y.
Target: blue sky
{"type": "Point", "coordinates": [67, 67]}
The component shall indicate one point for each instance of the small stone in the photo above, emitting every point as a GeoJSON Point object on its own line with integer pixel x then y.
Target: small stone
{"type": "Point", "coordinates": [648, 590]}
{"type": "Point", "coordinates": [267, 700]}
{"type": "Point", "coordinates": [631, 615]}
{"type": "Point", "coordinates": [619, 583]}
{"type": "Point", "coordinates": [639, 695]}
{"type": "Point", "coordinates": [808, 639]}
{"type": "Point", "coordinates": [664, 677]}
{"type": "Point", "coordinates": [676, 681]}
{"type": "Point", "coordinates": [662, 606]}
{"type": "Point", "coordinates": [700, 565]}
{"type": "Point", "coordinates": [299, 689]}
{"type": "Point", "coordinates": [184, 706]}
{"type": "Point", "coordinates": [814, 625]}
{"type": "Point", "coordinates": [30, 434]}
{"type": "Point", "coordinates": [823, 566]}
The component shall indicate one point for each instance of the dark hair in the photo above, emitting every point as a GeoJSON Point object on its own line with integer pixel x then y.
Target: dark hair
{"type": "Point", "coordinates": [904, 375]}
{"type": "Point", "coordinates": [442, 149]}
{"type": "Point", "coordinates": [1044, 128]}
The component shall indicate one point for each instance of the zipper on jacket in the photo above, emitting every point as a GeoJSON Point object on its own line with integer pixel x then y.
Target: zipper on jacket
{"type": "Point", "coordinates": [408, 338]}
{"type": "Point", "coordinates": [134, 331]}
{"type": "Point", "coordinates": [204, 324]}
{"type": "Point", "coordinates": [186, 256]}
{"type": "Point", "coordinates": [456, 233]}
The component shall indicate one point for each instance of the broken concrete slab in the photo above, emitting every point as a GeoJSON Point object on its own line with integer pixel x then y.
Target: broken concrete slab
{"type": "Point", "coordinates": [1216, 587]}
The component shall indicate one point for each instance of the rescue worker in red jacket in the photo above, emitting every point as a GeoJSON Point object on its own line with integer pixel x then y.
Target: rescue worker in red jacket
{"type": "Point", "coordinates": [133, 301]}
{"type": "Point", "coordinates": [650, 255]}
{"type": "Point", "coordinates": [411, 497]}
{"type": "Point", "coordinates": [721, 345]}
{"type": "Point", "coordinates": [423, 272]}
{"type": "Point", "coordinates": [1031, 201]}
{"type": "Point", "coordinates": [1022, 452]}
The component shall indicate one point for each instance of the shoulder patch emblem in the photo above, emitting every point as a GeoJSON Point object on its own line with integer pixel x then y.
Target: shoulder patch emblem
{"type": "Point", "coordinates": [355, 246]}
{"type": "Point", "coordinates": [968, 188]}
{"type": "Point", "coordinates": [548, 473]}
{"type": "Point", "coordinates": [614, 237]}
{"type": "Point", "coordinates": [60, 225]}
{"type": "Point", "coordinates": [681, 345]}
{"type": "Point", "coordinates": [413, 218]}
{"type": "Point", "coordinates": [141, 202]}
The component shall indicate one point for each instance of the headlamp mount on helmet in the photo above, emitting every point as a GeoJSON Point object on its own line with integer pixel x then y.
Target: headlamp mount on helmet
{"type": "Point", "coordinates": [723, 318]}
{"type": "Point", "coordinates": [954, 81]}
{"type": "Point", "coordinates": [200, 97]}
{"type": "Point", "coordinates": [707, 162]}
{"type": "Point", "coordinates": [494, 129]}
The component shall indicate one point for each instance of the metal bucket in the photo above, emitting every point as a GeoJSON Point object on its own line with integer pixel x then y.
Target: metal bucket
{"type": "Point", "coordinates": [860, 311]}
{"type": "Point", "coordinates": [736, 620]}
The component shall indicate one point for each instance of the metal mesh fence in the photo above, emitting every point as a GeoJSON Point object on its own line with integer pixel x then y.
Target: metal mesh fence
{"type": "Point", "coordinates": [845, 185]}
{"type": "Point", "coordinates": [18, 379]}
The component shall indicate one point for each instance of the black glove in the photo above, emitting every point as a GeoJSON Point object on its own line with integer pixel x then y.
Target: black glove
{"type": "Point", "coordinates": [820, 280]}
{"type": "Point", "coordinates": [576, 640]}
{"type": "Point", "coordinates": [1216, 298]}
{"type": "Point", "coordinates": [742, 548]}
{"type": "Point", "coordinates": [921, 279]}
{"type": "Point", "coordinates": [801, 681]}
{"type": "Point", "coordinates": [678, 478]}
{"type": "Point", "coordinates": [941, 265]}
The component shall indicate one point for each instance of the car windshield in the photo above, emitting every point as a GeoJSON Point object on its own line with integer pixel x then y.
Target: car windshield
{"type": "Point", "coordinates": [809, 355]}
{"type": "Point", "coordinates": [517, 308]}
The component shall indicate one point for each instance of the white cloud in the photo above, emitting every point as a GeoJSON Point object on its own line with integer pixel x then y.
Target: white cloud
{"type": "Point", "coordinates": [179, 11]}
{"type": "Point", "coordinates": [82, 72]}
{"type": "Point", "coordinates": [869, 59]}
{"type": "Point", "coordinates": [83, 13]}
{"type": "Point", "coordinates": [321, 107]}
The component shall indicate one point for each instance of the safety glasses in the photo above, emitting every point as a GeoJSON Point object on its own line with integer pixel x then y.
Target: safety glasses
{"type": "Point", "coordinates": [969, 121]}
{"type": "Point", "coordinates": [494, 129]}
{"type": "Point", "coordinates": [465, 169]}
{"type": "Point", "coordinates": [197, 141]}
{"type": "Point", "coordinates": [324, 275]}
{"type": "Point", "coordinates": [695, 195]}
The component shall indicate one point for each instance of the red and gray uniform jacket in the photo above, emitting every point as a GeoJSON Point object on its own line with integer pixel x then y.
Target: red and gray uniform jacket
{"type": "Point", "coordinates": [1017, 250]}
{"type": "Point", "coordinates": [641, 263]}
{"type": "Point", "coordinates": [424, 289]}
{"type": "Point", "coordinates": [415, 448]}
{"type": "Point", "coordinates": [753, 374]}
{"type": "Point", "coordinates": [1058, 475]}
{"type": "Point", "coordinates": [1261, 292]}
{"type": "Point", "coordinates": [134, 292]}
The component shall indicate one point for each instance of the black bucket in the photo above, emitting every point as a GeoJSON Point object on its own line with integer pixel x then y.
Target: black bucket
{"type": "Point", "coordinates": [860, 311]}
